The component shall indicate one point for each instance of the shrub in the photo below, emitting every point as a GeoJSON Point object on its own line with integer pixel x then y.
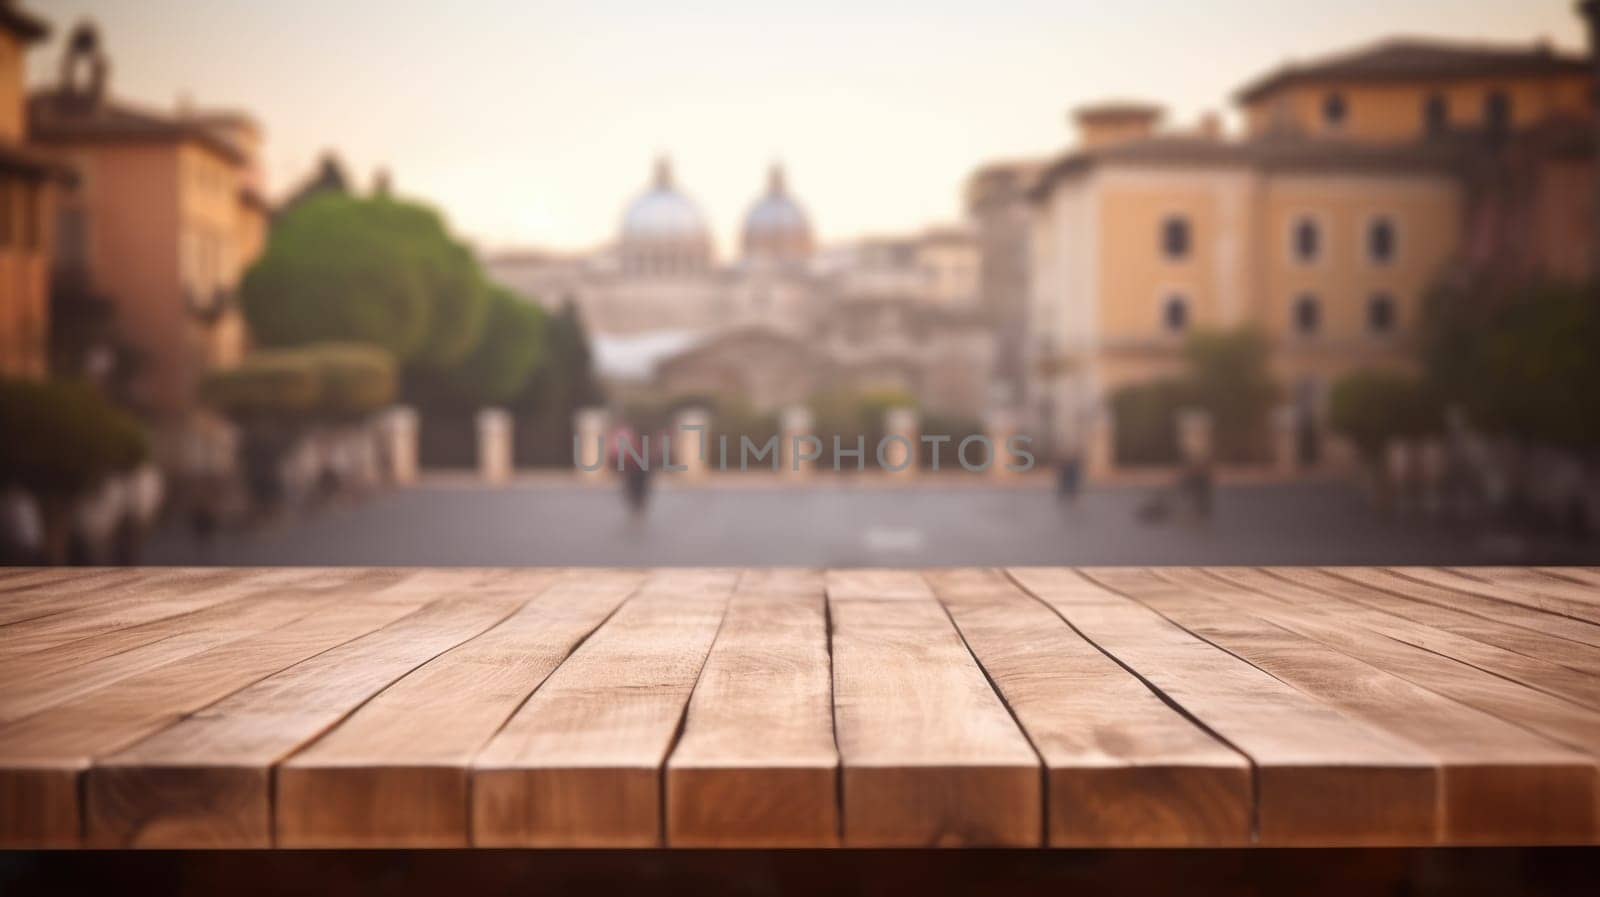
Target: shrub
{"type": "Point", "coordinates": [1371, 408]}
{"type": "Point", "coordinates": [1146, 417]}
{"type": "Point", "coordinates": [327, 381]}
{"type": "Point", "coordinates": [62, 440]}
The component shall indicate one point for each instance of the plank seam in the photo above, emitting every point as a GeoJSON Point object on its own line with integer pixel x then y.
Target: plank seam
{"type": "Point", "coordinates": [833, 717]}
{"type": "Point", "coordinates": [1528, 685]}
{"type": "Point", "coordinates": [272, 769]}
{"type": "Point", "coordinates": [1415, 599]}
{"type": "Point", "coordinates": [1044, 767]}
{"type": "Point", "coordinates": [1255, 772]}
{"type": "Point", "coordinates": [683, 714]}
{"type": "Point", "coordinates": [1507, 601]}
{"type": "Point", "coordinates": [471, 833]}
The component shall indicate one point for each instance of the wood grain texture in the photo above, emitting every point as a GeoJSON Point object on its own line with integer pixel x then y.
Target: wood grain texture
{"type": "Point", "coordinates": [1501, 784]}
{"type": "Point", "coordinates": [1322, 777]}
{"type": "Point", "coordinates": [756, 765]}
{"type": "Point", "coordinates": [1450, 590]}
{"type": "Point", "coordinates": [205, 781]}
{"type": "Point", "coordinates": [580, 763]}
{"type": "Point", "coordinates": [43, 757]}
{"type": "Point", "coordinates": [1535, 672]}
{"type": "Point", "coordinates": [403, 707]}
{"type": "Point", "coordinates": [931, 757]}
{"type": "Point", "coordinates": [1123, 768]}
{"type": "Point", "coordinates": [394, 774]}
{"type": "Point", "coordinates": [1309, 613]}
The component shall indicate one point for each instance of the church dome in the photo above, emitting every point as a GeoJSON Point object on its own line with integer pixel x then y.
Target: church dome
{"type": "Point", "coordinates": [776, 228]}
{"type": "Point", "coordinates": [663, 231]}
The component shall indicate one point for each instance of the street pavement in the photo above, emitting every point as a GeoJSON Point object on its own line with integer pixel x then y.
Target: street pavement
{"type": "Point", "coordinates": [562, 523]}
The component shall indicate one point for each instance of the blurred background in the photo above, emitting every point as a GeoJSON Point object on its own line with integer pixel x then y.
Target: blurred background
{"type": "Point", "coordinates": [374, 283]}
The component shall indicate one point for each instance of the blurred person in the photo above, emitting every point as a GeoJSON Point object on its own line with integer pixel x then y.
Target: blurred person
{"type": "Point", "coordinates": [1069, 476]}
{"type": "Point", "coordinates": [629, 455]}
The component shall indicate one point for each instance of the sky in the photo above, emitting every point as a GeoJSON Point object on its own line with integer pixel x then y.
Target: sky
{"type": "Point", "coordinates": [533, 122]}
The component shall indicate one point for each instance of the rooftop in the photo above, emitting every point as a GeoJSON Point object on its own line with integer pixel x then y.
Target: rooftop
{"type": "Point", "coordinates": [1412, 58]}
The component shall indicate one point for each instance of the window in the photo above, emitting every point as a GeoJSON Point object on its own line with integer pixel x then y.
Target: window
{"type": "Point", "coordinates": [1306, 240]}
{"type": "Point", "coordinates": [1435, 115]}
{"type": "Point", "coordinates": [1381, 313]}
{"type": "Point", "coordinates": [1175, 237]}
{"type": "Point", "coordinates": [1497, 113]}
{"type": "Point", "coordinates": [1334, 110]}
{"type": "Point", "coordinates": [1307, 314]}
{"type": "Point", "coordinates": [1381, 240]}
{"type": "Point", "coordinates": [1175, 314]}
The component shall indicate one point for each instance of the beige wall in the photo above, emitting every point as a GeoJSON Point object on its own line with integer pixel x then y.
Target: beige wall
{"type": "Point", "coordinates": [1101, 275]}
{"type": "Point", "coordinates": [27, 205]}
{"type": "Point", "coordinates": [164, 221]}
{"type": "Point", "coordinates": [1394, 112]}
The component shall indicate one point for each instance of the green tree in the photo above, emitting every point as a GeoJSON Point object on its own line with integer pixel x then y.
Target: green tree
{"type": "Point", "coordinates": [329, 272]}
{"type": "Point", "coordinates": [1521, 361]}
{"type": "Point", "coordinates": [372, 270]}
{"type": "Point", "coordinates": [511, 349]}
{"type": "Point", "coordinates": [564, 383]}
{"type": "Point", "coordinates": [1227, 375]}
{"type": "Point", "coordinates": [1372, 408]}
{"type": "Point", "coordinates": [63, 439]}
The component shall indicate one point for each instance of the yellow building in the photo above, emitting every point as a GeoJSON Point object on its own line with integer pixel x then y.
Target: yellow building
{"type": "Point", "coordinates": [165, 217]}
{"type": "Point", "coordinates": [1322, 228]}
{"type": "Point", "coordinates": [28, 183]}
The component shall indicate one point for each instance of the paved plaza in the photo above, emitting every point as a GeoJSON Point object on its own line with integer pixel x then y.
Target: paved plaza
{"type": "Point", "coordinates": [840, 524]}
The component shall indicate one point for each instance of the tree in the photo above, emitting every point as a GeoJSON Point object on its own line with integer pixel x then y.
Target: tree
{"type": "Point", "coordinates": [1373, 408]}
{"type": "Point", "coordinates": [332, 272]}
{"type": "Point", "coordinates": [1522, 362]}
{"type": "Point", "coordinates": [511, 349]}
{"type": "Point", "coordinates": [1227, 376]}
{"type": "Point", "coordinates": [372, 270]}
{"type": "Point", "coordinates": [63, 440]}
{"type": "Point", "coordinates": [557, 389]}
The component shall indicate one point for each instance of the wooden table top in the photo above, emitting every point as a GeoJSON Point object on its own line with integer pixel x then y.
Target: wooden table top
{"type": "Point", "coordinates": [300, 707]}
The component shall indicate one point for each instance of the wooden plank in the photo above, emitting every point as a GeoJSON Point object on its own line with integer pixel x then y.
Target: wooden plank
{"type": "Point", "coordinates": [1322, 777]}
{"type": "Point", "coordinates": [394, 774]}
{"type": "Point", "coordinates": [1448, 589]}
{"type": "Point", "coordinates": [1587, 576]}
{"type": "Point", "coordinates": [1541, 592]}
{"type": "Point", "coordinates": [580, 763]}
{"type": "Point", "coordinates": [1429, 606]}
{"type": "Point", "coordinates": [43, 758]}
{"type": "Point", "coordinates": [59, 594]}
{"type": "Point", "coordinates": [1535, 672]}
{"type": "Point", "coordinates": [204, 782]}
{"type": "Point", "coordinates": [1501, 784]}
{"type": "Point", "coordinates": [138, 606]}
{"type": "Point", "coordinates": [756, 765]}
{"type": "Point", "coordinates": [931, 757]}
{"type": "Point", "coordinates": [1123, 768]}
{"type": "Point", "coordinates": [1311, 614]}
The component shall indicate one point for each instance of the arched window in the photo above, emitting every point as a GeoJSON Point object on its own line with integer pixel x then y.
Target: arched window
{"type": "Point", "coordinates": [1381, 240]}
{"type": "Point", "coordinates": [1435, 115]}
{"type": "Point", "coordinates": [1381, 314]}
{"type": "Point", "coordinates": [1334, 110]}
{"type": "Point", "coordinates": [1306, 240]}
{"type": "Point", "coordinates": [1176, 239]}
{"type": "Point", "coordinates": [1307, 314]}
{"type": "Point", "coordinates": [1175, 313]}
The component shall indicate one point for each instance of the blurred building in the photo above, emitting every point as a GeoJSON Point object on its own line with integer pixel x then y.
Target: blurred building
{"type": "Point", "coordinates": [29, 182]}
{"type": "Point", "coordinates": [998, 206]}
{"type": "Point", "coordinates": [166, 214]}
{"type": "Point", "coordinates": [781, 321]}
{"type": "Point", "coordinates": [1361, 179]}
